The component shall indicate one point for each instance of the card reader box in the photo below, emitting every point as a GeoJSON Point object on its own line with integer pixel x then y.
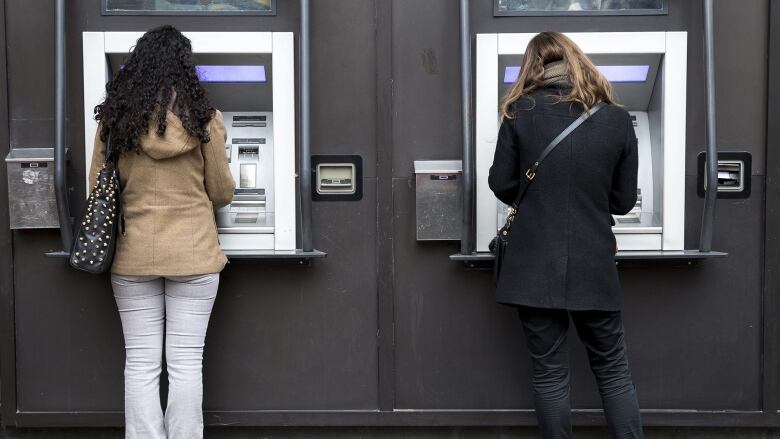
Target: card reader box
{"type": "Point", "coordinates": [733, 177]}
{"type": "Point", "coordinates": [337, 177]}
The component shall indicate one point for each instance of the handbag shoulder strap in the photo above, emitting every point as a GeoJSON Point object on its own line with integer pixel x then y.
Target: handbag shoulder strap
{"type": "Point", "coordinates": [110, 155]}
{"type": "Point", "coordinates": [531, 172]}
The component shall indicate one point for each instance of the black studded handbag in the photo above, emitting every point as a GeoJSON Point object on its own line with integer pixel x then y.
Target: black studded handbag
{"type": "Point", "coordinates": [499, 244]}
{"type": "Point", "coordinates": [95, 240]}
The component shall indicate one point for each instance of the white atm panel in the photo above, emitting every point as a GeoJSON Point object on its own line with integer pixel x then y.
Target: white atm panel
{"type": "Point", "coordinates": [643, 216]}
{"type": "Point", "coordinates": [250, 152]}
{"type": "Point", "coordinates": [647, 70]}
{"type": "Point", "coordinates": [259, 114]}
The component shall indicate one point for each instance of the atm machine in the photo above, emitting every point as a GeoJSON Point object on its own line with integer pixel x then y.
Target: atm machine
{"type": "Point", "coordinates": [648, 73]}
{"type": "Point", "coordinates": [250, 77]}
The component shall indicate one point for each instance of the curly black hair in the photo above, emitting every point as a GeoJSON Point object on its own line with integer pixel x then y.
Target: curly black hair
{"type": "Point", "coordinates": [160, 64]}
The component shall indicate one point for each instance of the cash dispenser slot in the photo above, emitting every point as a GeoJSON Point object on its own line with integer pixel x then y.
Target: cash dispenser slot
{"type": "Point", "coordinates": [249, 198]}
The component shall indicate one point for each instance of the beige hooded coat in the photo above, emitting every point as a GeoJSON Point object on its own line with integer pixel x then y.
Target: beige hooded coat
{"type": "Point", "coordinates": [169, 192]}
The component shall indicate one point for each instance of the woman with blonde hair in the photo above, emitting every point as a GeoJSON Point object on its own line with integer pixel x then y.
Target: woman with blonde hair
{"type": "Point", "coordinates": [559, 262]}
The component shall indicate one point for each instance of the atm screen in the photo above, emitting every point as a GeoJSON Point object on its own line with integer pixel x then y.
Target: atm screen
{"type": "Point", "coordinates": [216, 74]}
{"type": "Point", "coordinates": [635, 73]}
{"type": "Point", "coordinates": [229, 73]}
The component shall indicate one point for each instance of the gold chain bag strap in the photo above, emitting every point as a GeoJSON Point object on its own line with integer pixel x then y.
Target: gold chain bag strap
{"type": "Point", "coordinates": [95, 240]}
{"type": "Point", "coordinates": [499, 244]}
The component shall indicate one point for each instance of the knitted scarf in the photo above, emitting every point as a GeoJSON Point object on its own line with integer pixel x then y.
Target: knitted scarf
{"type": "Point", "coordinates": [554, 72]}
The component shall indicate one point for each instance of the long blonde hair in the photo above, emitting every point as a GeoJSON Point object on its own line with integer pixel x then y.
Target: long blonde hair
{"type": "Point", "coordinates": [589, 86]}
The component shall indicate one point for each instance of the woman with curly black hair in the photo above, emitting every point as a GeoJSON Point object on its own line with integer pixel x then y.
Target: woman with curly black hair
{"type": "Point", "coordinates": [173, 173]}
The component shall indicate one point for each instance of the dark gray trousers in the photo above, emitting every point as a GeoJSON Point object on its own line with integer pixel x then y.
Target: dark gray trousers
{"type": "Point", "coordinates": [602, 334]}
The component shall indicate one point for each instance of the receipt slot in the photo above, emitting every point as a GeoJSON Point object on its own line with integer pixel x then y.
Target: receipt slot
{"type": "Point", "coordinates": [648, 73]}
{"type": "Point", "coordinates": [250, 77]}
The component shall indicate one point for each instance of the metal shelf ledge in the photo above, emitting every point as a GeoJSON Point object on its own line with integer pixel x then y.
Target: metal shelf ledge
{"type": "Point", "coordinates": [648, 257]}
{"type": "Point", "coordinates": [292, 256]}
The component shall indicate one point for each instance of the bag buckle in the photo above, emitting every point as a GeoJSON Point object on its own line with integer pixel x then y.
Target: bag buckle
{"type": "Point", "coordinates": [529, 174]}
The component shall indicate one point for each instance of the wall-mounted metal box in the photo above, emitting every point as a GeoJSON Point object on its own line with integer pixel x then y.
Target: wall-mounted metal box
{"type": "Point", "coordinates": [32, 204]}
{"type": "Point", "coordinates": [439, 199]}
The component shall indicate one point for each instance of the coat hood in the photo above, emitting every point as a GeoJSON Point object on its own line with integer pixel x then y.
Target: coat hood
{"type": "Point", "coordinates": [175, 141]}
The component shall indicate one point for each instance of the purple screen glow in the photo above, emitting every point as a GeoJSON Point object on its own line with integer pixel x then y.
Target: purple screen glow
{"type": "Point", "coordinates": [613, 73]}
{"type": "Point", "coordinates": [511, 74]}
{"type": "Point", "coordinates": [222, 73]}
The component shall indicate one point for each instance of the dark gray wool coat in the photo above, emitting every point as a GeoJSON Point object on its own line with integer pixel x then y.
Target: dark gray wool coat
{"type": "Point", "coordinates": [561, 251]}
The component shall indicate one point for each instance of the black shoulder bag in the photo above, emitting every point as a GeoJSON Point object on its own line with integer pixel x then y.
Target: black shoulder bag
{"type": "Point", "coordinates": [95, 240]}
{"type": "Point", "coordinates": [499, 243]}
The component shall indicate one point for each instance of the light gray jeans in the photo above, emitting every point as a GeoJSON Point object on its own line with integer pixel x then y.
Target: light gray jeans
{"type": "Point", "coordinates": [176, 310]}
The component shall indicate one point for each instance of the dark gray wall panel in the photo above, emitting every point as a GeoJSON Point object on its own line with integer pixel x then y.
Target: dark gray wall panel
{"type": "Point", "coordinates": [694, 333]}
{"type": "Point", "coordinates": [426, 57]}
{"type": "Point", "coordinates": [299, 338]}
{"type": "Point", "coordinates": [282, 337]}
{"type": "Point", "coordinates": [7, 345]}
{"type": "Point", "coordinates": [772, 216]}
{"type": "Point", "coordinates": [455, 347]}
{"type": "Point", "coordinates": [69, 339]}
{"type": "Point", "coordinates": [343, 78]}
{"type": "Point", "coordinates": [741, 78]}
{"type": "Point", "coordinates": [305, 338]}
{"type": "Point", "coordinates": [30, 48]}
